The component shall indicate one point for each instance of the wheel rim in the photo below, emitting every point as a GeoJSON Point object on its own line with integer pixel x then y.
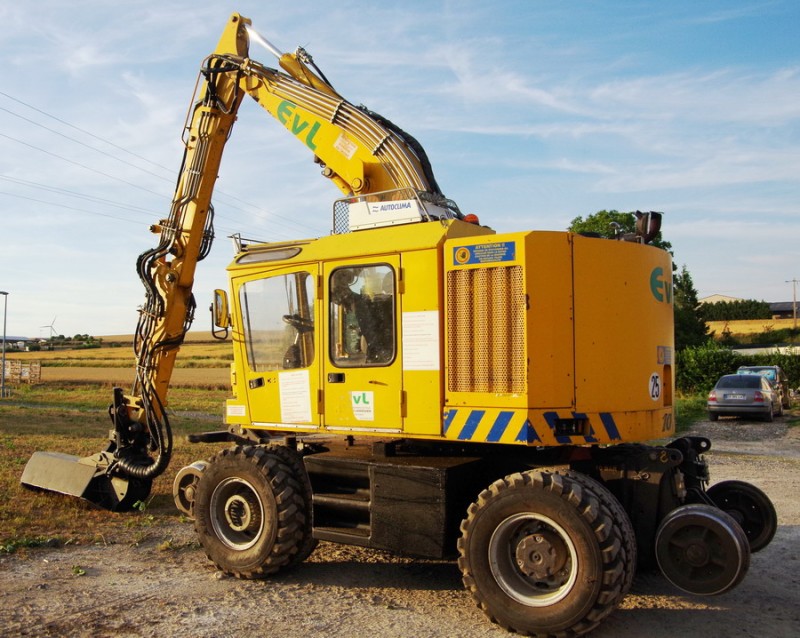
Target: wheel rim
{"type": "Point", "coordinates": [533, 559]}
{"type": "Point", "coordinates": [237, 513]}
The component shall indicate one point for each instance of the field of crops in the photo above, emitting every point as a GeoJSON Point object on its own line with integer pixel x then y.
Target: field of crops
{"type": "Point", "coordinates": [193, 354]}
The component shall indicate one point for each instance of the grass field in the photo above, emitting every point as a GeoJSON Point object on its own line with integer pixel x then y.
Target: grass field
{"type": "Point", "coordinates": [67, 413]}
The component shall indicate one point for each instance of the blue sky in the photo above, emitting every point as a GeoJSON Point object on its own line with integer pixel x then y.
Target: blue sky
{"type": "Point", "coordinates": [532, 113]}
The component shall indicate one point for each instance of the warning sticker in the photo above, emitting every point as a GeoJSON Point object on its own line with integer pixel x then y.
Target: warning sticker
{"type": "Point", "coordinates": [345, 146]}
{"type": "Point", "coordinates": [485, 253]}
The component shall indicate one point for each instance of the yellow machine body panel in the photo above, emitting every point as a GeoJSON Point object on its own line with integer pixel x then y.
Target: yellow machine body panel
{"type": "Point", "coordinates": [445, 330]}
{"type": "Point", "coordinates": [556, 339]}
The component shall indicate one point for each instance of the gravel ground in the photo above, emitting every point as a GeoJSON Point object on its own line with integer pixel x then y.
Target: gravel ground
{"type": "Point", "coordinates": [170, 589]}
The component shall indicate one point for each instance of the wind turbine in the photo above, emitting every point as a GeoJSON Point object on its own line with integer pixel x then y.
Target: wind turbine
{"type": "Point", "coordinates": [51, 325]}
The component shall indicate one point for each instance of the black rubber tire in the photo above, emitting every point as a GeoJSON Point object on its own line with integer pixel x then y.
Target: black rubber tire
{"type": "Point", "coordinates": [749, 507]}
{"type": "Point", "coordinates": [770, 417]}
{"type": "Point", "coordinates": [249, 512]}
{"type": "Point", "coordinates": [566, 519]}
{"type": "Point", "coordinates": [621, 518]}
{"type": "Point", "coordinates": [293, 459]}
{"type": "Point", "coordinates": [713, 416]}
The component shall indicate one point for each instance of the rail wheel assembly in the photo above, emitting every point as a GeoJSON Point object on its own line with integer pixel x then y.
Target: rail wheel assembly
{"type": "Point", "coordinates": [749, 507]}
{"type": "Point", "coordinates": [702, 550]}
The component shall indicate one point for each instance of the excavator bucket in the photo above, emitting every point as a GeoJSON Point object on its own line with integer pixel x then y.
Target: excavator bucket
{"type": "Point", "coordinates": [86, 478]}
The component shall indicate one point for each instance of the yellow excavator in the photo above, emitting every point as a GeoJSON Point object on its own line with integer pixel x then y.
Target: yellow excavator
{"type": "Point", "coordinates": [416, 382]}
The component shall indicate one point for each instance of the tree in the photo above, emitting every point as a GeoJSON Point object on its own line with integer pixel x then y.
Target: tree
{"type": "Point", "coordinates": [734, 310]}
{"type": "Point", "coordinates": [690, 324]}
{"type": "Point", "coordinates": [608, 223]}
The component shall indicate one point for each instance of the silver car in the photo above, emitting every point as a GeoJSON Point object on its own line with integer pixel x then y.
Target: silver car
{"type": "Point", "coordinates": [744, 395]}
{"type": "Point", "coordinates": [777, 378]}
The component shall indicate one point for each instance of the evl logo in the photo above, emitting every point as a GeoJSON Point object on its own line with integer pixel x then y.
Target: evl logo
{"type": "Point", "coordinates": [297, 125]}
{"type": "Point", "coordinates": [661, 286]}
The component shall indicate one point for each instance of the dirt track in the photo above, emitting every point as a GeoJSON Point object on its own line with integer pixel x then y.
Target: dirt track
{"type": "Point", "coordinates": [169, 589]}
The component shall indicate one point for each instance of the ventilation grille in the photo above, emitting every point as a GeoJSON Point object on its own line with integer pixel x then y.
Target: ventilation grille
{"type": "Point", "coordinates": [486, 330]}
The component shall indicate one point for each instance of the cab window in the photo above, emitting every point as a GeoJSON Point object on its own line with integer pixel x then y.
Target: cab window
{"type": "Point", "coordinates": [362, 312]}
{"type": "Point", "coordinates": [278, 321]}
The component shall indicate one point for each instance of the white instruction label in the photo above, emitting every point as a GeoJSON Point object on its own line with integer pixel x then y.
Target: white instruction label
{"type": "Point", "coordinates": [295, 393]}
{"type": "Point", "coordinates": [421, 340]}
{"type": "Point", "coordinates": [345, 146]}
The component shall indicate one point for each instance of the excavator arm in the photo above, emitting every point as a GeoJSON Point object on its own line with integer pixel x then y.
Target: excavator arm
{"type": "Point", "coordinates": [360, 151]}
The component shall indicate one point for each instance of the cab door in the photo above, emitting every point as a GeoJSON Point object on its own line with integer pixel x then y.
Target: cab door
{"type": "Point", "coordinates": [362, 367]}
{"type": "Point", "coordinates": [279, 347]}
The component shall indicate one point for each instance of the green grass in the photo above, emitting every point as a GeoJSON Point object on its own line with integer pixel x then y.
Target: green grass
{"type": "Point", "coordinates": [689, 410]}
{"type": "Point", "coordinates": [83, 395]}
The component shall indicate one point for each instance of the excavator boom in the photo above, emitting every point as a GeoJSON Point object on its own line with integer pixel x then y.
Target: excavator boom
{"type": "Point", "coordinates": [360, 151]}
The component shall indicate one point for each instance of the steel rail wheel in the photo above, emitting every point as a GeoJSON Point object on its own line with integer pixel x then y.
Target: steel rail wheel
{"type": "Point", "coordinates": [749, 507]}
{"type": "Point", "coordinates": [541, 554]}
{"type": "Point", "coordinates": [249, 512]}
{"type": "Point", "coordinates": [702, 550]}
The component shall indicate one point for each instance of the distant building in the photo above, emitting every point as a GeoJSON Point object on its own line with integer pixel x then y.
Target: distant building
{"type": "Point", "coordinates": [778, 309]}
{"type": "Point", "coordinates": [718, 299]}
{"type": "Point", "coordinates": [782, 309]}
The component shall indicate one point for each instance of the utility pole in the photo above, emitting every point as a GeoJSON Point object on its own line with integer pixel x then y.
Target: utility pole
{"type": "Point", "coordinates": [794, 300]}
{"type": "Point", "coordinates": [3, 369]}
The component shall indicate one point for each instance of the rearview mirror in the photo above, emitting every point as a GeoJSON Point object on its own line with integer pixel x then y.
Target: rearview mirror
{"type": "Point", "coordinates": [219, 314]}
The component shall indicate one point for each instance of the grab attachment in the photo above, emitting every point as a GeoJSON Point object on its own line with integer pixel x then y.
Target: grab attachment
{"type": "Point", "coordinates": [115, 479]}
{"type": "Point", "coordinates": [87, 478]}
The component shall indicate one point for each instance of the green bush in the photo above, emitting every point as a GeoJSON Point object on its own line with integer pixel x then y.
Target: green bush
{"type": "Point", "coordinates": [699, 368]}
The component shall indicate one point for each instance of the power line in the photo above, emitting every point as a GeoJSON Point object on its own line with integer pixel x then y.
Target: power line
{"type": "Point", "coordinates": [83, 166]}
{"type": "Point", "coordinates": [72, 139]}
{"type": "Point", "coordinates": [69, 193]}
{"type": "Point", "coordinates": [256, 210]}
{"type": "Point", "coordinates": [84, 131]}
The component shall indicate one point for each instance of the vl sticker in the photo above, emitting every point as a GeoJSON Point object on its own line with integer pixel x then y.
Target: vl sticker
{"type": "Point", "coordinates": [363, 405]}
{"type": "Point", "coordinates": [655, 386]}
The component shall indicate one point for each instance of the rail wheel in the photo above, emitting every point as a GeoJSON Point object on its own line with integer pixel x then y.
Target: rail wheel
{"type": "Point", "coordinates": [541, 554]}
{"type": "Point", "coordinates": [249, 512]}
{"type": "Point", "coordinates": [184, 487]}
{"type": "Point", "coordinates": [702, 550]}
{"type": "Point", "coordinates": [749, 507]}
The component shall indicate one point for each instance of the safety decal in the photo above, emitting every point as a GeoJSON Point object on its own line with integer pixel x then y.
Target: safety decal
{"type": "Point", "coordinates": [507, 425]}
{"type": "Point", "coordinates": [485, 253]}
